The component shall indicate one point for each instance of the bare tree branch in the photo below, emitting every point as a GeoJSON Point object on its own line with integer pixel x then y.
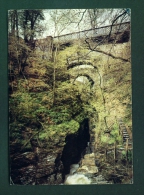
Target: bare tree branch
{"type": "Point", "coordinates": [115, 21]}
{"type": "Point", "coordinates": [106, 53]}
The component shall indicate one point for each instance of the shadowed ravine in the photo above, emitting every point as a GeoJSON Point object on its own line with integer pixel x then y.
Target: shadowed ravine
{"type": "Point", "coordinates": [46, 167]}
{"type": "Point", "coordinates": [75, 147]}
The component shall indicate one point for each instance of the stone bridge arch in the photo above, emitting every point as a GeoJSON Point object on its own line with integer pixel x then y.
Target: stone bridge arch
{"type": "Point", "coordinates": [78, 63]}
{"type": "Point", "coordinates": [91, 81]}
{"type": "Point", "coordinates": [86, 69]}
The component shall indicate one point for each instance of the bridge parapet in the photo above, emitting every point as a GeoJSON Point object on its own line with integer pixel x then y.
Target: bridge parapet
{"type": "Point", "coordinates": [92, 33]}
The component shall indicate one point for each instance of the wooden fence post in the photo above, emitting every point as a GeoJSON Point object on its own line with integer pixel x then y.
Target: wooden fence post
{"type": "Point", "coordinates": [114, 151]}
{"type": "Point", "coordinates": [126, 148]}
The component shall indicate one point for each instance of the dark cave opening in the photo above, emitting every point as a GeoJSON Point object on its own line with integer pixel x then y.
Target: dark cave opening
{"type": "Point", "coordinates": [75, 147]}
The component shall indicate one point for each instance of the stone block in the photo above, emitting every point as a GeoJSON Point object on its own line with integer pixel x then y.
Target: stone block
{"type": "Point", "coordinates": [88, 169]}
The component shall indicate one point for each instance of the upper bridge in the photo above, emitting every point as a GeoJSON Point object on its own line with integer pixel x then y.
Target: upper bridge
{"type": "Point", "coordinates": [119, 33]}
{"type": "Point", "coordinates": [96, 32]}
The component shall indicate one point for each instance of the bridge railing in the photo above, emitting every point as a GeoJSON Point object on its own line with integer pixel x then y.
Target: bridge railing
{"type": "Point", "coordinates": [102, 31]}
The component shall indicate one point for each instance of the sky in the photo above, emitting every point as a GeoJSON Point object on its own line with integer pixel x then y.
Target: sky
{"type": "Point", "coordinates": [105, 18]}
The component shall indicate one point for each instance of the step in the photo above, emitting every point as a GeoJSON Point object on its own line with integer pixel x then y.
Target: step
{"type": "Point", "coordinates": [126, 137]}
{"type": "Point", "coordinates": [125, 131]}
{"type": "Point", "coordinates": [125, 134]}
{"type": "Point", "coordinates": [122, 126]}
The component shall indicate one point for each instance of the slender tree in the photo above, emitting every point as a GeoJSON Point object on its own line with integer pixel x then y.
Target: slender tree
{"type": "Point", "coordinates": [24, 26]}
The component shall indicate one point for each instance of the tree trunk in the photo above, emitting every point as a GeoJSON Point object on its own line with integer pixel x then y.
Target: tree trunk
{"type": "Point", "coordinates": [54, 74]}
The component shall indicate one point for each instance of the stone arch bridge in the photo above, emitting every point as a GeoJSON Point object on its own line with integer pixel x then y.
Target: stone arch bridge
{"type": "Point", "coordinates": [82, 66]}
{"type": "Point", "coordinates": [84, 69]}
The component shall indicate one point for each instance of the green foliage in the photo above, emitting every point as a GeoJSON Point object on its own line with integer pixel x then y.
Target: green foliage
{"type": "Point", "coordinates": [127, 155]}
{"type": "Point", "coordinates": [23, 106]}
{"type": "Point", "coordinates": [62, 117]}
{"type": "Point", "coordinates": [104, 139]}
{"type": "Point", "coordinates": [15, 131]}
{"type": "Point", "coordinates": [130, 156]}
{"type": "Point", "coordinates": [62, 129]}
{"type": "Point", "coordinates": [114, 136]}
{"type": "Point", "coordinates": [55, 106]}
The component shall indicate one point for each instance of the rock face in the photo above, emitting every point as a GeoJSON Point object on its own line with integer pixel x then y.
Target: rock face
{"type": "Point", "coordinates": [49, 164]}
{"type": "Point", "coordinates": [88, 164]}
{"type": "Point", "coordinates": [37, 169]}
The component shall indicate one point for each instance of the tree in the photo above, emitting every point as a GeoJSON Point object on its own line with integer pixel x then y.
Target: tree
{"type": "Point", "coordinates": [13, 16]}
{"type": "Point", "coordinates": [30, 24]}
{"type": "Point", "coordinates": [60, 21]}
{"type": "Point", "coordinates": [24, 26]}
